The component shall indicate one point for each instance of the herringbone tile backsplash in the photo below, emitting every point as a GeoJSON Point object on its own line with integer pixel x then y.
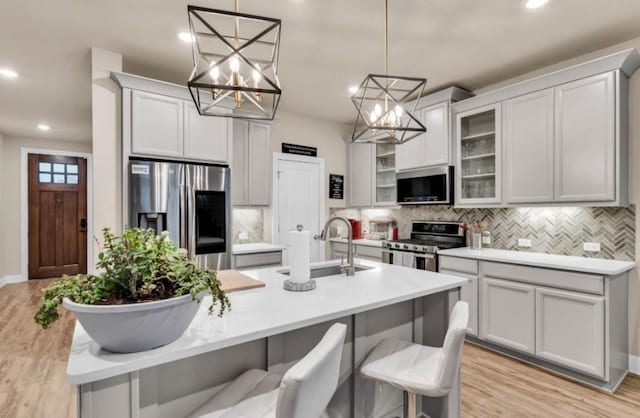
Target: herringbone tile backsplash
{"type": "Point", "coordinates": [551, 230]}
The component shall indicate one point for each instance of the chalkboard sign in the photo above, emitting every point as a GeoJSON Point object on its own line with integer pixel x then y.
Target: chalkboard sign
{"type": "Point", "coordinates": [299, 150]}
{"type": "Point", "coordinates": [336, 186]}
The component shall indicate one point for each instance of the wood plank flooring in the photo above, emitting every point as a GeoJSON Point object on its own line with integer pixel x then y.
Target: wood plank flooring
{"type": "Point", "coordinates": [33, 363]}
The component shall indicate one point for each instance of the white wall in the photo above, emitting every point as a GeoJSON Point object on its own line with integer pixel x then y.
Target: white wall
{"type": "Point", "coordinates": [634, 167]}
{"type": "Point", "coordinates": [323, 134]}
{"type": "Point", "coordinates": [10, 171]}
{"type": "Point", "coordinates": [107, 149]}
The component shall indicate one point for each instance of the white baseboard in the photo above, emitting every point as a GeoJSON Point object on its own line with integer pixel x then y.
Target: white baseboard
{"type": "Point", "coordinates": [634, 364]}
{"type": "Point", "coordinates": [14, 278]}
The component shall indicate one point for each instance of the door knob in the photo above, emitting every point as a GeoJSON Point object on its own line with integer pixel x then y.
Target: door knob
{"type": "Point", "coordinates": [83, 225]}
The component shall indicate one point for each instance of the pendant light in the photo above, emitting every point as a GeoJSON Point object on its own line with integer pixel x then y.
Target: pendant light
{"type": "Point", "coordinates": [235, 63]}
{"type": "Point", "coordinates": [386, 103]}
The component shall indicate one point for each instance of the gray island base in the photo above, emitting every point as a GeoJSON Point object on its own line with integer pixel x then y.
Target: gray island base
{"type": "Point", "coordinates": [270, 328]}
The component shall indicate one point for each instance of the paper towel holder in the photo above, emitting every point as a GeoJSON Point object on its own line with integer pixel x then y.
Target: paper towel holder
{"type": "Point", "coordinates": [299, 287]}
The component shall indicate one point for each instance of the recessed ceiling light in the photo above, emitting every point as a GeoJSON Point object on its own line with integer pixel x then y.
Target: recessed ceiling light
{"type": "Point", "coordinates": [534, 4]}
{"type": "Point", "coordinates": [353, 89]}
{"type": "Point", "coordinates": [186, 37]}
{"type": "Point", "coordinates": [44, 127]}
{"type": "Point", "coordinates": [8, 73]}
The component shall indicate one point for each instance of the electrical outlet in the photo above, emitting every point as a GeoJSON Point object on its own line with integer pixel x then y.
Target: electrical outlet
{"type": "Point", "coordinates": [593, 247]}
{"type": "Point", "coordinates": [243, 235]}
{"type": "Point", "coordinates": [524, 243]}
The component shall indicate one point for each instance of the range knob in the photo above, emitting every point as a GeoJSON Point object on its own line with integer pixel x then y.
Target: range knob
{"type": "Point", "coordinates": [416, 248]}
{"type": "Point", "coordinates": [406, 247]}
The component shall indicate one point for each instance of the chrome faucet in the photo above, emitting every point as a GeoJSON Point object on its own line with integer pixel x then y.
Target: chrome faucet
{"type": "Point", "coordinates": [349, 268]}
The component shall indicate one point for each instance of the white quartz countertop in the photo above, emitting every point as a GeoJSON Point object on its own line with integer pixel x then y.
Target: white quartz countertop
{"type": "Point", "coordinates": [254, 248]}
{"type": "Point", "coordinates": [552, 261]}
{"type": "Point", "coordinates": [263, 312]}
{"type": "Point", "coordinates": [367, 242]}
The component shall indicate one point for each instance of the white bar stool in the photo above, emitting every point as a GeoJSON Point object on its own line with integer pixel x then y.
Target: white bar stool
{"type": "Point", "coordinates": [303, 392]}
{"type": "Point", "coordinates": [419, 369]}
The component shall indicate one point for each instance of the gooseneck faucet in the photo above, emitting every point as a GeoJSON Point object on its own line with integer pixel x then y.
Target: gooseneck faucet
{"type": "Point", "coordinates": [349, 268]}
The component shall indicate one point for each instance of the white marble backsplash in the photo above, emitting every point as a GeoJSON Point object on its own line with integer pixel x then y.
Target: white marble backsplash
{"type": "Point", "coordinates": [249, 221]}
{"type": "Point", "coordinates": [552, 230]}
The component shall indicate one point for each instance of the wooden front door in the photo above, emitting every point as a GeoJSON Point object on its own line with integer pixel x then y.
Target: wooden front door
{"type": "Point", "coordinates": [57, 216]}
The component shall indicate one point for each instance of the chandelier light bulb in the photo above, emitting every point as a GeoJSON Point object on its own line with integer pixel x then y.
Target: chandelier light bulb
{"type": "Point", "coordinates": [234, 64]}
{"type": "Point", "coordinates": [257, 76]}
{"type": "Point", "coordinates": [214, 72]}
{"type": "Point", "coordinates": [399, 111]}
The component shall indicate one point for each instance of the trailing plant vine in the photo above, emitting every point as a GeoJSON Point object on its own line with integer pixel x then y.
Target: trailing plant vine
{"type": "Point", "coordinates": [137, 266]}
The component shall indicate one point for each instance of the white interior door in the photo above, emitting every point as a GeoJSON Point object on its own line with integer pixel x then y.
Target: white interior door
{"type": "Point", "coordinates": [298, 196]}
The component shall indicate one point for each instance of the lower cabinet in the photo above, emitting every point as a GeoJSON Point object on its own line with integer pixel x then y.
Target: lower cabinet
{"type": "Point", "coordinates": [257, 260]}
{"type": "Point", "coordinates": [508, 314]}
{"type": "Point", "coordinates": [365, 252]}
{"type": "Point", "coordinates": [469, 294]}
{"type": "Point", "coordinates": [570, 330]}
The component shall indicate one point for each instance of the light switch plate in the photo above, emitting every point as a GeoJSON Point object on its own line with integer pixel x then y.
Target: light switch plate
{"type": "Point", "coordinates": [243, 236]}
{"type": "Point", "coordinates": [524, 243]}
{"type": "Point", "coordinates": [593, 247]}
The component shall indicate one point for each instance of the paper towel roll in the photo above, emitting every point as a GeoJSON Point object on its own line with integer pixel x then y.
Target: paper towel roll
{"type": "Point", "coordinates": [299, 256]}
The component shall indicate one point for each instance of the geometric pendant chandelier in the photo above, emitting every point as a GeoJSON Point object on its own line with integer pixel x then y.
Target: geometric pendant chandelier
{"type": "Point", "coordinates": [386, 105]}
{"type": "Point", "coordinates": [235, 63]}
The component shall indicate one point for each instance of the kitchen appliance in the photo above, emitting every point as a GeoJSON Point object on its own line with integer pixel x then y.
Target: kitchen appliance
{"type": "Point", "coordinates": [433, 186]}
{"type": "Point", "coordinates": [427, 237]}
{"type": "Point", "coordinates": [190, 201]}
{"type": "Point", "coordinates": [356, 228]}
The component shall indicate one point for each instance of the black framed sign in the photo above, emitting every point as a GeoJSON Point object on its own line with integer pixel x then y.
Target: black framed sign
{"type": "Point", "coordinates": [299, 150]}
{"type": "Point", "coordinates": [336, 186]}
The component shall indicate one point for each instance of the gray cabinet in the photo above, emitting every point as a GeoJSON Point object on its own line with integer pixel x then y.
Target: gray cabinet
{"type": "Point", "coordinates": [205, 137]}
{"type": "Point", "coordinates": [251, 168]}
{"type": "Point", "coordinates": [257, 260]}
{"type": "Point", "coordinates": [157, 125]}
{"type": "Point", "coordinates": [431, 148]}
{"type": "Point", "coordinates": [508, 314]}
{"type": "Point", "coordinates": [360, 168]}
{"type": "Point", "coordinates": [163, 126]}
{"type": "Point", "coordinates": [469, 294]}
{"type": "Point", "coordinates": [528, 137]}
{"type": "Point", "coordinates": [478, 174]}
{"type": "Point", "coordinates": [570, 330]}
{"type": "Point", "coordinates": [585, 140]}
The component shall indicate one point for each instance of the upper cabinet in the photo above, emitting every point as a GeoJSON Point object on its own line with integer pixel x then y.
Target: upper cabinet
{"type": "Point", "coordinates": [159, 120]}
{"type": "Point", "coordinates": [431, 148]}
{"type": "Point", "coordinates": [359, 174]}
{"type": "Point", "coordinates": [157, 125]}
{"type": "Point", "coordinates": [384, 175]}
{"type": "Point", "coordinates": [434, 147]}
{"type": "Point", "coordinates": [585, 140]}
{"type": "Point", "coordinates": [528, 147]}
{"type": "Point", "coordinates": [562, 136]}
{"type": "Point", "coordinates": [205, 137]}
{"type": "Point", "coordinates": [251, 168]}
{"type": "Point", "coordinates": [478, 177]}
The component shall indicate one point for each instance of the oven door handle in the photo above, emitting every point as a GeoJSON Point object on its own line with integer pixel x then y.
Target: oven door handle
{"type": "Point", "coordinates": [430, 256]}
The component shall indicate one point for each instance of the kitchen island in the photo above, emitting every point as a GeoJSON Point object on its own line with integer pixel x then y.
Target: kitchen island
{"type": "Point", "coordinates": [271, 328]}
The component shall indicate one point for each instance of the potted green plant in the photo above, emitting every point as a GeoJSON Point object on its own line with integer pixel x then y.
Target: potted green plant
{"type": "Point", "coordinates": [145, 295]}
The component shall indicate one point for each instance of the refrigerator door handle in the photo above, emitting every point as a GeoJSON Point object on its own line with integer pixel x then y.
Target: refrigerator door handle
{"type": "Point", "coordinates": [191, 223]}
{"type": "Point", "coordinates": [184, 207]}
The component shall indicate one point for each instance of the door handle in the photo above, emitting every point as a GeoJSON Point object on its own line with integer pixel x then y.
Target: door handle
{"type": "Point", "coordinates": [83, 225]}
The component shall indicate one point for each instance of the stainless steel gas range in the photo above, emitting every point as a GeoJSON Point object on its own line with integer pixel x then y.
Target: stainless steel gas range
{"type": "Point", "coordinates": [427, 237]}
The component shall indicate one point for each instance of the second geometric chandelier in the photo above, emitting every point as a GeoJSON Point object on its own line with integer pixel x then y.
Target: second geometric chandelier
{"type": "Point", "coordinates": [386, 103]}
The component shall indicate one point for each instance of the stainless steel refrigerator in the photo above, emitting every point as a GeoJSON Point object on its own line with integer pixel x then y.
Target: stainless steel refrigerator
{"type": "Point", "coordinates": [190, 201]}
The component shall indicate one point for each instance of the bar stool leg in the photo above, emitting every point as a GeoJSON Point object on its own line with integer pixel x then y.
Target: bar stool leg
{"type": "Point", "coordinates": [411, 405]}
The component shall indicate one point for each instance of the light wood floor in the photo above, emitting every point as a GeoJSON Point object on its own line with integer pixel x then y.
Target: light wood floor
{"type": "Point", "coordinates": [33, 362]}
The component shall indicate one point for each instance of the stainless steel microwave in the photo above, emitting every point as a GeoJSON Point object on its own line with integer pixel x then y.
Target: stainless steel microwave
{"type": "Point", "coordinates": [433, 186]}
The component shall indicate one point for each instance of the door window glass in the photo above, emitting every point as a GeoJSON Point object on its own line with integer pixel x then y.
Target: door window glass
{"type": "Point", "coordinates": [58, 173]}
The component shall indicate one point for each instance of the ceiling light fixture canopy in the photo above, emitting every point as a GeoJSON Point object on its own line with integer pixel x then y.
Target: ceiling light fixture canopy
{"type": "Point", "coordinates": [235, 63]}
{"type": "Point", "coordinates": [386, 103]}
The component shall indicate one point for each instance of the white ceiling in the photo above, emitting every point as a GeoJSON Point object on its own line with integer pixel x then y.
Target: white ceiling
{"type": "Point", "coordinates": [327, 45]}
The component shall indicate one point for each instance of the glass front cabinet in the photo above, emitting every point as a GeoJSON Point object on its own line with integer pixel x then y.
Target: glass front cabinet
{"type": "Point", "coordinates": [384, 193]}
{"type": "Point", "coordinates": [478, 174]}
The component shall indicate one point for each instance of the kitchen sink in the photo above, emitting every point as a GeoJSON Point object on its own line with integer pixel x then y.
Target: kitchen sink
{"type": "Point", "coordinates": [324, 271]}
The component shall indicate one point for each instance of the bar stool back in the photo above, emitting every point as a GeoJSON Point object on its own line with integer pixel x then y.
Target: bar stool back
{"type": "Point", "coordinates": [418, 369]}
{"type": "Point", "coordinates": [303, 392]}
